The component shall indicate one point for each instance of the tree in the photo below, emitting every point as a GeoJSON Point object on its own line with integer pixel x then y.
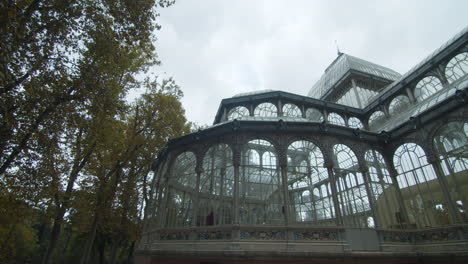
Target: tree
{"type": "Point", "coordinates": [151, 121]}
{"type": "Point", "coordinates": [54, 53]}
{"type": "Point", "coordinates": [65, 69]}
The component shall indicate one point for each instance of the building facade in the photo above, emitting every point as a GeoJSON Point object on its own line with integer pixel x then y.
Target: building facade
{"type": "Point", "coordinates": [371, 166]}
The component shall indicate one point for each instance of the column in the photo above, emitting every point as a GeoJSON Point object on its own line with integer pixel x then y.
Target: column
{"type": "Point", "coordinates": [163, 209]}
{"type": "Point", "coordinates": [222, 199]}
{"type": "Point", "coordinates": [370, 194]}
{"type": "Point", "coordinates": [404, 214]}
{"type": "Point", "coordinates": [224, 116]}
{"type": "Point", "coordinates": [283, 163]}
{"type": "Point", "coordinates": [235, 208]}
{"type": "Point", "coordinates": [199, 171]}
{"type": "Point", "coordinates": [441, 75]}
{"type": "Point", "coordinates": [410, 94]}
{"type": "Point", "coordinates": [336, 203]}
{"type": "Point", "coordinates": [251, 109]}
{"type": "Point", "coordinates": [356, 94]}
{"type": "Point", "coordinates": [453, 213]}
{"type": "Point", "coordinates": [279, 105]}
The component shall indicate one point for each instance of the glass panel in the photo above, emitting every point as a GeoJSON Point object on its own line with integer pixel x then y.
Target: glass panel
{"type": "Point", "coordinates": [260, 200]}
{"type": "Point", "coordinates": [399, 104]}
{"type": "Point", "coordinates": [310, 200]}
{"type": "Point", "coordinates": [384, 193]}
{"type": "Point", "coordinates": [291, 110]}
{"type": "Point", "coordinates": [451, 143]}
{"type": "Point", "coordinates": [376, 120]}
{"type": "Point", "coordinates": [426, 87]}
{"type": "Point", "coordinates": [266, 110]}
{"type": "Point", "coordinates": [349, 98]}
{"type": "Point", "coordinates": [216, 187]}
{"type": "Point", "coordinates": [352, 194]}
{"type": "Point", "coordinates": [336, 119]}
{"type": "Point", "coordinates": [419, 187]}
{"type": "Point", "coordinates": [184, 169]}
{"type": "Point", "coordinates": [180, 200]}
{"type": "Point", "coordinates": [354, 122]}
{"type": "Point", "coordinates": [457, 67]}
{"type": "Point", "coordinates": [365, 94]}
{"type": "Point", "coordinates": [238, 112]}
{"type": "Point", "coordinates": [314, 115]}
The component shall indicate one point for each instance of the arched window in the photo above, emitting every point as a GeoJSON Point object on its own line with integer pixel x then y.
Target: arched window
{"type": "Point", "coordinates": [268, 159]}
{"type": "Point", "coordinates": [266, 110]}
{"type": "Point", "coordinates": [426, 87]}
{"type": "Point", "coordinates": [238, 112]}
{"type": "Point", "coordinates": [252, 157]}
{"type": "Point", "coordinates": [184, 169]}
{"type": "Point", "coordinates": [260, 196]}
{"type": "Point", "coordinates": [291, 110]}
{"type": "Point", "coordinates": [354, 122]}
{"type": "Point", "coordinates": [352, 194]}
{"type": "Point", "coordinates": [384, 193]}
{"type": "Point", "coordinates": [314, 115]}
{"type": "Point", "coordinates": [399, 104]}
{"type": "Point", "coordinates": [457, 67]}
{"type": "Point", "coordinates": [181, 191]}
{"type": "Point", "coordinates": [216, 187]}
{"type": "Point", "coordinates": [376, 120]}
{"type": "Point", "coordinates": [336, 119]}
{"type": "Point", "coordinates": [419, 187]}
{"type": "Point", "coordinates": [309, 173]}
{"type": "Point", "coordinates": [451, 143]}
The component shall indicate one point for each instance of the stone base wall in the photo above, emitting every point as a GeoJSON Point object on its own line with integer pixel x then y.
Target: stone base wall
{"type": "Point", "coordinates": [301, 245]}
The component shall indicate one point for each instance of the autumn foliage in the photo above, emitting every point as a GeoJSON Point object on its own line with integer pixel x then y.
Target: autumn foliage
{"type": "Point", "coordinates": [75, 154]}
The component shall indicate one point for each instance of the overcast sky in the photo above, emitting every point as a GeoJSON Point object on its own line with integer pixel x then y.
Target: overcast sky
{"type": "Point", "coordinates": [215, 49]}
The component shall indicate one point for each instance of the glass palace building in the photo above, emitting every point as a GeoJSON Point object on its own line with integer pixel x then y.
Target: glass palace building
{"type": "Point", "coordinates": [371, 166]}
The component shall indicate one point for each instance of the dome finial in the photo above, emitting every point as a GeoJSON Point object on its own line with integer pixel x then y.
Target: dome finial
{"type": "Point", "coordinates": [338, 48]}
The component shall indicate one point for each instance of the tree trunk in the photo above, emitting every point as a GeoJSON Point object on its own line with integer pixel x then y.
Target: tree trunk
{"type": "Point", "coordinates": [130, 253]}
{"type": "Point", "coordinates": [114, 250]}
{"type": "Point", "coordinates": [77, 167]}
{"type": "Point", "coordinates": [102, 247]}
{"type": "Point", "coordinates": [89, 242]}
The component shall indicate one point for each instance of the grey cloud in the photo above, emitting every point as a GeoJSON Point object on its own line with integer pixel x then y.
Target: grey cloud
{"type": "Point", "coordinates": [215, 49]}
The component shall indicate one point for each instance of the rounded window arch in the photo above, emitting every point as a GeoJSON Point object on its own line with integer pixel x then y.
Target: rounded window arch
{"type": "Point", "coordinates": [451, 144]}
{"type": "Point", "coordinates": [386, 206]}
{"type": "Point", "coordinates": [238, 112]}
{"type": "Point", "coordinates": [398, 104]}
{"type": "Point", "coordinates": [181, 191]}
{"type": "Point", "coordinates": [352, 193]}
{"type": "Point", "coordinates": [309, 174]}
{"type": "Point", "coordinates": [268, 159]}
{"type": "Point", "coordinates": [266, 110]}
{"type": "Point", "coordinates": [291, 110]}
{"type": "Point", "coordinates": [419, 186]}
{"type": "Point", "coordinates": [375, 160]}
{"type": "Point", "coordinates": [260, 196]}
{"type": "Point", "coordinates": [216, 187]}
{"type": "Point", "coordinates": [426, 87]}
{"type": "Point", "coordinates": [452, 138]}
{"type": "Point", "coordinates": [314, 115]}
{"type": "Point", "coordinates": [376, 119]}
{"type": "Point", "coordinates": [336, 119]}
{"type": "Point", "coordinates": [184, 169]}
{"type": "Point", "coordinates": [344, 158]}
{"type": "Point", "coordinates": [457, 67]}
{"type": "Point", "coordinates": [355, 122]}
{"type": "Point", "coordinates": [216, 162]}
